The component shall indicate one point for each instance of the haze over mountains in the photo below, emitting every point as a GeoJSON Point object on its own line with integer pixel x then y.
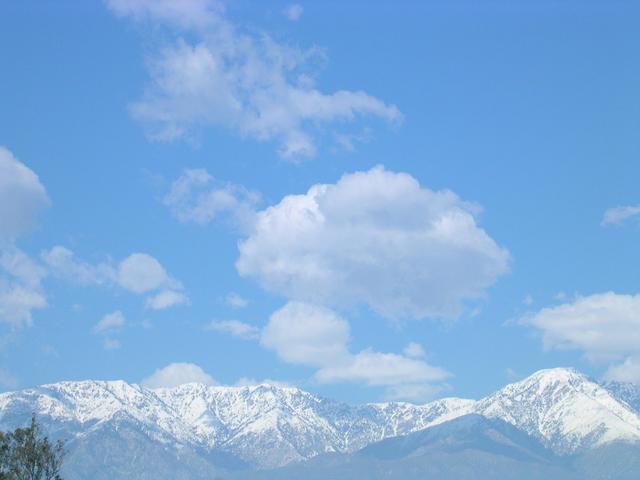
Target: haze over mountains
{"type": "Point", "coordinates": [556, 423]}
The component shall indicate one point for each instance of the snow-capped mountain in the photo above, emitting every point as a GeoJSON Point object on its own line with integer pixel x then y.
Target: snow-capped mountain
{"type": "Point", "coordinates": [262, 425]}
{"type": "Point", "coordinates": [564, 409]}
{"type": "Point", "coordinates": [268, 426]}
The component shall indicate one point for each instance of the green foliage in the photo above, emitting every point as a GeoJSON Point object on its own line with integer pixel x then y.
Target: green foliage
{"type": "Point", "coordinates": [25, 454]}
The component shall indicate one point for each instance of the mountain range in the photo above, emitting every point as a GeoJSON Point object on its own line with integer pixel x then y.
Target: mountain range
{"type": "Point", "coordinates": [557, 423]}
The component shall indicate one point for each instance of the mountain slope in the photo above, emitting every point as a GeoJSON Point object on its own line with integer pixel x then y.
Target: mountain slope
{"type": "Point", "coordinates": [565, 409]}
{"type": "Point", "coordinates": [262, 426]}
{"type": "Point", "coordinates": [196, 431]}
{"type": "Point", "coordinates": [468, 447]}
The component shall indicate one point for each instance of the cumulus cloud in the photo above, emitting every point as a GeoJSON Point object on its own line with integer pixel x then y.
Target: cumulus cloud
{"type": "Point", "coordinates": [20, 287]}
{"type": "Point", "coordinates": [234, 328]}
{"type": "Point", "coordinates": [195, 197]}
{"type": "Point", "coordinates": [141, 273]}
{"type": "Point", "coordinates": [239, 80]}
{"type": "Point", "coordinates": [166, 299]}
{"type": "Point", "coordinates": [315, 336]}
{"type": "Point", "coordinates": [293, 12]}
{"type": "Point", "coordinates": [618, 215]}
{"type": "Point", "coordinates": [111, 321]}
{"type": "Point", "coordinates": [381, 369]}
{"type": "Point", "coordinates": [22, 197]}
{"type": "Point", "coordinates": [138, 273]}
{"type": "Point", "coordinates": [307, 335]}
{"type": "Point", "coordinates": [604, 326]}
{"type": "Point", "coordinates": [374, 238]}
{"type": "Point", "coordinates": [176, 374]}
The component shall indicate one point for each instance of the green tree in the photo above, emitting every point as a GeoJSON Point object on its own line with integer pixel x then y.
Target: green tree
{"type": "Point", "coordinates": [25, 454]}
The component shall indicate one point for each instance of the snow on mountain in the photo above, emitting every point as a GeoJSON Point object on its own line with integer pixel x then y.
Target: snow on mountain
{"type": "Point", "coordinates": [264, 425]}
{"type": "Point", "coordinates": [628, 393]}
{"type": "Point", "coordinates": [565, 409]}
{"type": "Point", "coordinates": [267, 426]}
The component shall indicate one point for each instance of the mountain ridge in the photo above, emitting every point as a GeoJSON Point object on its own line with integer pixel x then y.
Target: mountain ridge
{"type": "Point", "coordinates": [267, 426]}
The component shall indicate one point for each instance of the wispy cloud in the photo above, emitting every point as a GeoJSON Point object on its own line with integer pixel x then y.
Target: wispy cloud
{"type": "Point", "coordinates": [618, 215]}
{"type": "Point", "coordinates": [239, 80]}
{"type": "Point", "coordinates": [235, 328]}
{"type": "Point", "coordinates": [195, 197]}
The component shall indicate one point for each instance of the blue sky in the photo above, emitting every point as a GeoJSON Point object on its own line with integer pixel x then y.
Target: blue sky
{"type": "Point", "coordinates": [172, 209]}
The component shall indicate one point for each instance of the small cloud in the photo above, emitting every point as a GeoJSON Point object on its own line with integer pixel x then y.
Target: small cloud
{"type": "Point", "coordinates": [236, 301]}
{"type": "Point", "coordinates": [251, 382]}
{"type": "Point", "coordinates": [176, 374]}
{"type": "Point", "coordinates": [527, 300]}
{"type": "Point", "coordinates": [560, 296]}
{"type": "Point", "coordinates": [618, 215]}
{"type": "Point", "coordinates": [195, 197]}
{"type": "Point", "coordinates": [110, 321]}
{"type": "Point", "coordinates": [166, 299]}
{"type": "Point", "coordinates": [235, 328]}
{"type": "Point", "coordinates": [293, 12]}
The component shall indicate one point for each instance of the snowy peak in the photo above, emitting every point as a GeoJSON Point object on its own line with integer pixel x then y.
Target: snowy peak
{"type": "Point", "coordinates": [564, 409]}
{"type": "Point", "coordinates": [268, 426]}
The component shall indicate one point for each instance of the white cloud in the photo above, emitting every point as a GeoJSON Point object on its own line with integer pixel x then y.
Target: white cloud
{"type": "Point", "coordinates": [617, 215]}
{"type": "Point", "coordinates": [235, 328]}
{"type": "Point", "coordinates": [307, 335]}
{"type": "Point", "coordinates": [236, 301]}
{"type": "Point", "coordinates": [414, 350]}
{"type": "Point", "coordinates": [239, 80]}
{"type": "Point", "coordinates": [141, 273]}
{"type": "Point", "coordinates": [111, 321]}
{"type": "Point", "coordinates": [293, 12]}
{"type": "Point", "coordinates": [176, 374]}
{"type": "Point", "coordinates": [63, 263]}
{"type": "Point", "coordinates": [604, 326]}
{"type": "Point", "coordinates": [166, 299]}
{"type": "Point", "coordinates": [138, 273]}
{"type": "Point", "coordinates": [21, 267]}
{"type": "Point", "coordinates": [376, 238]}
{"type": "Point", "coordinates": [20, 287]}
{"type": "Point", "coordinates": [528, 299]}
{"type": "Point", "coordinates": [195, 197]}
{"type": "Point", "coordinates": [251, 382]}
{"type": "Point", "coordinates": [22, 197]}
{"type": "Point", "coordinates": [197, 14]}
{"type": "Point", "coordinates": [381, 369]}
{"type": "Point", "coordinates": [304, 334]}
{"type": "Point", "coordinates": [627, 371]}
{"type": "Point", "coordinates": [17, 303]}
